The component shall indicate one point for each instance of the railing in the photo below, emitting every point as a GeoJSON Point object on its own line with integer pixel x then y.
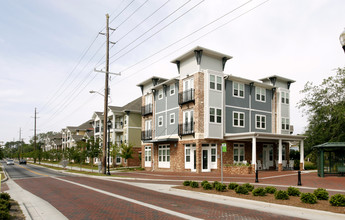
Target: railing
{"type": "Point", "coordinates": [186, 128]}
{"type": "Point", "coordinates": [186, 96]}
{"type": "Point", "coordinates": [146, 135]}
{"type": "Point", "coordinates": [146, 110]}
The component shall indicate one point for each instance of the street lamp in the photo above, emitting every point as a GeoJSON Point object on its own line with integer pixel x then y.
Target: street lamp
{"type": "Point", "coordinates": [92, 91]}
{"type": "Point", "coordinates": [109, 126]}
{"type": "Point", "coordinates": [342, 39]}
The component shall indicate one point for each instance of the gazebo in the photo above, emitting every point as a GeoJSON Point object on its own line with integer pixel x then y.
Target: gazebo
{"type": "Point", "coordinates": [331, 158]}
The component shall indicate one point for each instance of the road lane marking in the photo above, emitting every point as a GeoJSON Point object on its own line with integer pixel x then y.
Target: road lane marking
{"type": "Point", "coordinates": [32, 171]}
{"type": "Point", "coordinates": [180, 215]}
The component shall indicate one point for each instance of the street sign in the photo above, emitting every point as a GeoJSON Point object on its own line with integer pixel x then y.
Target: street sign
{"type": "Point", "coordinates": [224, 147]}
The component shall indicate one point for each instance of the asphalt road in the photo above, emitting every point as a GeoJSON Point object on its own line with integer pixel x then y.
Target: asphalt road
{"type": "Point", "coordinates": [90, 198]}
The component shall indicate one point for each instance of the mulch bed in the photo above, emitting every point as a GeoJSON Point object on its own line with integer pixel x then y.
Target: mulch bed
{"type": "Point", "coordinates": [293, 201]}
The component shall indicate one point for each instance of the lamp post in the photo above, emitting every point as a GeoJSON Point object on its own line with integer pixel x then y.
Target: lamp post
{"type": "Point", "coordinates": [342, 40]}
{"type": "Point", "coordinates": [108, 142]}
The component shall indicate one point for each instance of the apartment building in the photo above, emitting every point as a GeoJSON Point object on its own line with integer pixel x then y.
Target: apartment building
{"type": "Point", "coordinates": [186, 119]}
{"type": "Point", "coordinates": [72, 134]}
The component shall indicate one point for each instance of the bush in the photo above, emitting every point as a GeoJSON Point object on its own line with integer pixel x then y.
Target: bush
{"type": "Point", "coordinates": [5, 204]}
{"type": "Point", "coordinates": [260, 191]}
{"type": "Point", "coordinates": [206, 186]}
{"type": "Point", "coordinates": [203, 182]}
{"type": "Point", "coordinates": [220, 187]}
{"type": "Point", "coordinates": [194, 184]}
{"type": "Point", "coordinates": [309, 165]}
{"type": "Point", "coordinates": [337, 200]}
{"type": "Point", "coordinates": [186, 183]}
{"type": "Point", "coordinates": [241, 190]}
{"type": "Point", "coordinates": [232, 186]}
{"type": "Point", "coordinates": [270, 189]}
{"type": "Point", "coordinates": [309, 198]}
{"type": "Point", "coordinates": [249, 187]}
{"type": "Point", "coordinates": [281, 195]}
{"type": "Point", "coordinates": [215, 183]}
{"type": "Point", "coordinates": [293, 191]}
{"type": "Point", "coordinates": [4, 215]}
{"type": "Point", "coordinates": [5, 196]}
{"type": "Point", "coordinates": [321, 194]}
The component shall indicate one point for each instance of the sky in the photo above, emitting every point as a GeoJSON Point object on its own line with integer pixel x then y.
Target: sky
{"type": "Point", "coordinates": [49, 49]}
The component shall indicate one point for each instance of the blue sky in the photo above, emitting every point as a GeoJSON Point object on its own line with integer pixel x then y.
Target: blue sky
{"type": "Point", "coordinates": [42, 42]}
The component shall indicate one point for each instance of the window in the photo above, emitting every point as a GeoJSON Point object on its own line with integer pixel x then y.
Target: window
{"type": "Point", "coordinates": [187, 155]}
{"type": "Point", "coordinates": [160, 94]}
{"type": "Point", "coordinates": [118, 159]}
{"type": "Point", "coordinates": [285, 124]}
{"type": "Point", "coordinates": [238, 153]}
{"type": "Point", "coordinates": [148, 154]}
{"type": "Point", "coordinates": [238, 119]}
{"type": "Point", "coordinates": [172, 118]}
{"type": "Point", "coordinates": [238, 90]}
{"type": "Point", "coordinates": [260, 94]}
{"type": "Point", "coordinates": [260, 122]}
{"type": "Point", "coordinates": [285, 98]}
{"type": "Point", "coordinates": [172, 89]}
{"type": "Point", "coordinates": [219, 83]}
{"type": "Point", "coordinates": [213, 154]}
{"type": "Point", "coordinates": [219, 116]}
{"type": "Point", "coordinates": [212, 115]}
{"type": "Point", "coordinates": [212, 82]}
{"type": "Point", "coordinates": [164, 156]}
{"type": "Point", "coordinates": [160, 121]}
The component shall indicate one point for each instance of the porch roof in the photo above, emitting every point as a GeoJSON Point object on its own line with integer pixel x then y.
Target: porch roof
{"type": "Point", "coordinates": [163, 140]}
{"type": "Point", "coordinates": [331, 145]}
{"type": "Point", "coordinates": [260, 135]}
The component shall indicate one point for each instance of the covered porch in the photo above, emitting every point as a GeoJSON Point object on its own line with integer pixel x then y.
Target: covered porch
{"type": "Point", "coordinates": [266, 151]}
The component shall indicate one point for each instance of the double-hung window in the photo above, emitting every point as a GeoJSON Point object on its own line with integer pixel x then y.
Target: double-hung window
{"type": "Point", "coordinates": [238, 89]}
{"type": "Point", "coordinates": [172, 118]}
{"type": "Point", "coordinates": [160, 121]}
{"type": "Point", "coordinates": [238, 119]}
{"type": "Point", "coordinates": [238, 153]}
{"type": "Point", "coordinates": [260, 94]}
{"type": "Point", "coordinates": [216, 82]}
{"type": "Point", "coordinates": [164, 156]}
{"type": "Point", "coordinates": [212, 81]}
{"type": "Point", "coordinates": [285, 98]}
{"type": "Point", "coordinates": [285, 124]}
{"type": "Point", "coordinates": [172, 89]}
{"type": "Point", "coordinates": [160, 94]}
{"type": "Point", "coordinates": [260, 121]}
{"type": "Point", "coordinates": [215, 115]}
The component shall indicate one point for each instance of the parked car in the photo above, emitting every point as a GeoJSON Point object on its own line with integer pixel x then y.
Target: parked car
{"type": "Point", "coordinates": [10, 162]}
{"type": "Point", "coordinates": [22, 161]}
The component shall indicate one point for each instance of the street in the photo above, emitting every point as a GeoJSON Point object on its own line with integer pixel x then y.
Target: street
{"type": "Point", "coordinates": [96, 198]}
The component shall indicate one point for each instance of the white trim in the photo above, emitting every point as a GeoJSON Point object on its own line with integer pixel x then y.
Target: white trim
{"type": "Point", "coordinates": [164, 111]}
{"type": "Point", "coordinates": [170, 118]}
{"type": "Point", "coordinates": [172, 85]}
{"type": "Point", "coordinates": [233, 119]}
{"type": "Point", "coordinates": [248, 109]}
{"type": "Point", "coordinates": [165, 157]}
{"type": "Point", "coordinates": [160, 118]}
{"type": "Point", "coordinates": [160, 92]}
{"type": "Point", "coordinates": [256, 122]}
{"type": "Point", "coordinates": [238, 147]}
{"type": "Point", "coordinates": [260, 90]}
{"type": "Point", "coordinates": [233, 89]}
{"type": "Point", "coordinates": [134, 128]}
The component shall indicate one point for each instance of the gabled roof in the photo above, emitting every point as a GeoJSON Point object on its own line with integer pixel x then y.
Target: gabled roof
{"type": "Point", "coordinates": [204, 51]}
{"type": "Point", "coordinates": [149, 80]}
{"type": "Point", "coordinates": [77, 137]}
{"type": "Point", "coordinates": [133, 106]}
{"type": "Point", "coordinates": [99, 114]}
{"type": "Point", "coordinates": [85, 126]}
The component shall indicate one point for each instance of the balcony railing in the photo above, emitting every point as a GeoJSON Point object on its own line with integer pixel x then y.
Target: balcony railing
{"type": "Point", "coordinates": [146, 135]}
{"type": "Point", "coordinates": [186, 96]}
{"type": "Point", "coordinates": [146, 110]}
{"type": "Point", "coordinates": [186, 128]}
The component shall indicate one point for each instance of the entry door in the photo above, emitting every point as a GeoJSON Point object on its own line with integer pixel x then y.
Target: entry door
{"type": "Point", "coordinates": [205, 160]}
{"type": "Point", "coordinates": [267, 153]}
{"type": "Point", "coordinates": [194, 160]}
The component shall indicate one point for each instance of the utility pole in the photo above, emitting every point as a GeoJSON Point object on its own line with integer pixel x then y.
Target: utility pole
{"type": "Point", "coordinates": [20, 144]}
{"type": "Point", "coordinates": [35, 138]}
{"type": "Point", "coordinates": [106, 94]}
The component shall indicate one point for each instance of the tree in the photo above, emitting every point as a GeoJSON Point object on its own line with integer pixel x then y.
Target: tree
{"type": "Point", "coordinates": [93, 149]}
{"type": "Point", "coordinates": [126, 152]}
{"type": "Point", "coordinates": [114, 151]}
{"type": "Point", "coordinates": [325, 106]}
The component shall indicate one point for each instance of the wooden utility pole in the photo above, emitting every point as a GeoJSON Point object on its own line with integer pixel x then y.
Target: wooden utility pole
{"type": "Point", "coordinates": [35, 138]}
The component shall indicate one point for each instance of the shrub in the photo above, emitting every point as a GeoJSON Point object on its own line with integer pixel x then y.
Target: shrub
{"type": "Point", "coordinates": [321, 194]}
{"type": "Point", "coordinates": [220, 187]}
{"type": "Point", "coordinates": [337, 200]}
{"type": "Point", "coordinates": [4, 215]}
{"type": "Point", "coordinates": [194, 184]}
{"type": "Point", "coordinates": [260, 191]}
{"type": "Point", "coordinates": [215, 183]}
{"type": "Point", "coordinates": [203, 182]}
{"type": "Point", "coordinates": [5, 196]}
{"type": "Point", "coordinates": [309, 166]}
{"type": "Point", "coordinates": [293, 191]}
{"type": "Point", "coordinates": [5, 204]}
{"type": "Point", "coordinates": [186, 183]}
{"type": "Point", "coordinates": [241, 190]}
{"type": "Point", "coordinates": [270, 189]}
{"type": "Point", "coordinates": [309, 198]}
{"type": "Point", "coordinates": [232, 186]}
{"type": "Point", "coordinates": [206, 186]}
{"type": "Point", "coordinates": [249, 187]}
{"type": "Point", "coordinates": [281, 195]}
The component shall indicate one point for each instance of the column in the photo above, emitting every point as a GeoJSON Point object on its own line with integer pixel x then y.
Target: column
{"type": "Point", "coordinates": [280, 155]}
{"type": "Point", "coordinates": [254, 154]}
{"type": "Point", "coordinates": [198, 156]}
{"type": "Point", "coordinates": [301, 160]}
{"type": "Point", "coordinates": [321, 161]}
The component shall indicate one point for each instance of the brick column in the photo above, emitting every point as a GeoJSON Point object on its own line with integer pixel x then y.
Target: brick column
{"type": "Point", "coordinates": [198, 156]}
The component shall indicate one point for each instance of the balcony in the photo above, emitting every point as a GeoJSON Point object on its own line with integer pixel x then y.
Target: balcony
{"type": "Point", "coordinates": [186, 128]}
{"type": "Point", "coordinates": [119, 125]}
{"type": "Point", "coordinates": [186, 96]}
{"type": "Point", "coordinates": [146, 135]}
{"type": "Point", "coordinates": [146, 110]}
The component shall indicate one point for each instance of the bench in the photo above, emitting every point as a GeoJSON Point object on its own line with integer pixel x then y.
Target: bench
{"type": "Point", "coordinates": [341, 170]}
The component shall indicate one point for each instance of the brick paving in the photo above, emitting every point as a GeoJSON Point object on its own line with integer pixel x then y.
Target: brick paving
{"type": "Point", "coordinates": [196, 208]}
{"type": "Point", "coordinates": [4, 187]}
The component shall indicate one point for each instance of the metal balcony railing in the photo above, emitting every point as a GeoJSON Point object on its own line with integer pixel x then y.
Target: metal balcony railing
{"type": "Point", "coordinates": [186, 96]}
{"type": "Point", "coordinates": [146, 110]}
{"type": "Point", "coordinates": [146, 135]}
{"type": "Point", "coordinates": [186, 128]}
